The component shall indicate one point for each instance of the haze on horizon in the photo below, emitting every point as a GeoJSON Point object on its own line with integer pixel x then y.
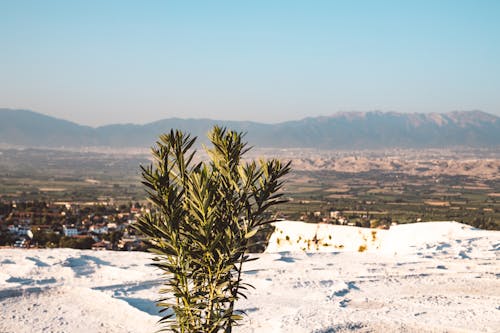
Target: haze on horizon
{"type": "Point", "coordinates": [96, 63]}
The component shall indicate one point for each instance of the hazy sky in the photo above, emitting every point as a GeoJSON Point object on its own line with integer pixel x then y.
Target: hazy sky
{"type": "Point", "coordinates": [101, 62]}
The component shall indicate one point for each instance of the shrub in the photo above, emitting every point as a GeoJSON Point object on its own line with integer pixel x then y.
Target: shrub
{"type": "Point", "coordinates": [203, 218]}
{"type": "Point", "coordinates": [84, 243]}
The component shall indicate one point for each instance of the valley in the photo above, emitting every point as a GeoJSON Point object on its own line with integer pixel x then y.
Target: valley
{"type": "Point", "coordinates": [363, 188]}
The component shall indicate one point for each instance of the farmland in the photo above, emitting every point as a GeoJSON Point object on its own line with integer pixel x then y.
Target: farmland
{"type": "Point", "coordinates": [400, 198]}
{"type": "Point", "coordinates": [380, 188]}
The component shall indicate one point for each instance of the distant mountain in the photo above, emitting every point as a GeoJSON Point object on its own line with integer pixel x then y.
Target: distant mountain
{"type": "Point", "coordinates": [343, 130]}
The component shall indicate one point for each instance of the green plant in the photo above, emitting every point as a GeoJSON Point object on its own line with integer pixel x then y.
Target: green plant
{"type": "Point", "coordinates": [203, 218]}
{"type": "Point", "coordinates": [76, 243]}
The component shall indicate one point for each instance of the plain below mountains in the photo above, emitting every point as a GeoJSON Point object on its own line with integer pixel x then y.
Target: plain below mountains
{"type": "Point", "coordinates": [344, 130]}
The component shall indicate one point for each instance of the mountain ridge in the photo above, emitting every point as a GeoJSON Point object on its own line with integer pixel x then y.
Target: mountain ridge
{"type": "Point", "coordinates": [341, 130]}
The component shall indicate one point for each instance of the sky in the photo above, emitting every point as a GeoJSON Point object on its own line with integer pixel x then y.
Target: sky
{"type": "Point", "coordinates": [102, 62]}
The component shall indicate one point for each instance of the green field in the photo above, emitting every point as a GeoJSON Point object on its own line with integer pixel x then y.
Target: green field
{"type": "Point", "coordinates": [396, 197]}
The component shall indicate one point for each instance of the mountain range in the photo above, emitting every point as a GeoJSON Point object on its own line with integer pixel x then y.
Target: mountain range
{"type": "Point", "coordinates": [342, 130]}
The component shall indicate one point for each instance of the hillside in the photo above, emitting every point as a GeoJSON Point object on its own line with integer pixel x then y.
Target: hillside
{"type": "Point", "coordinates": [436, 239]}
{"type": "Point", "coordinates": [344, 130]}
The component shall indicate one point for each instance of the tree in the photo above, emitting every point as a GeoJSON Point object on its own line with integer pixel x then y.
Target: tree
{"type": "Point", "coordinates": [76, 243]}
{"type": "Point", "coordinates": [6, 238]}
{"type": "Point", "coordinates": [202, 219]}
{"type": "Point", "coordinates": [113, 237]}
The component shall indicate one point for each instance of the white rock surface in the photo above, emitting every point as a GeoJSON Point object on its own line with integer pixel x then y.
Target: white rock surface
{"type": "Point", "coordinates": [424, 277]}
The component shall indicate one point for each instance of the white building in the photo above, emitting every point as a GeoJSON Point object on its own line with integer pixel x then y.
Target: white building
{"type": "Point", "coordinates": [112, 225]}
{"type": "Point", "coordinates": [334, 214]}
{"type": "Point", "coordinates": [68, 232]}
{"type": "Point", "coordinates": [19, 230]}
{"type": "Point", "coordinates": [99, 229]}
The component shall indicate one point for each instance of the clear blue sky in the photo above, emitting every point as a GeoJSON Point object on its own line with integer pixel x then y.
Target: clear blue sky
{"type": "Point", "coordinates": [101, 62]}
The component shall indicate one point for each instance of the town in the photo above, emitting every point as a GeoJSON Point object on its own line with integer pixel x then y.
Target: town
{"type": "Point", "coordinates": [104, 225]}
{"type": "Point", "coordinates": [92, 225]}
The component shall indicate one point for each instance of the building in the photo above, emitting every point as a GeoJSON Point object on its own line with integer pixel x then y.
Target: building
{"type": "Point", "coordinates": [69, 231]}
{"type": "Point", "coordinates": [99, 229]}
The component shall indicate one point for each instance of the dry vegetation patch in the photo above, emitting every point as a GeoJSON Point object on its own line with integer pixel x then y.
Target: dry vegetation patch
{"type": "Point", "coordinates": [438, 203]}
